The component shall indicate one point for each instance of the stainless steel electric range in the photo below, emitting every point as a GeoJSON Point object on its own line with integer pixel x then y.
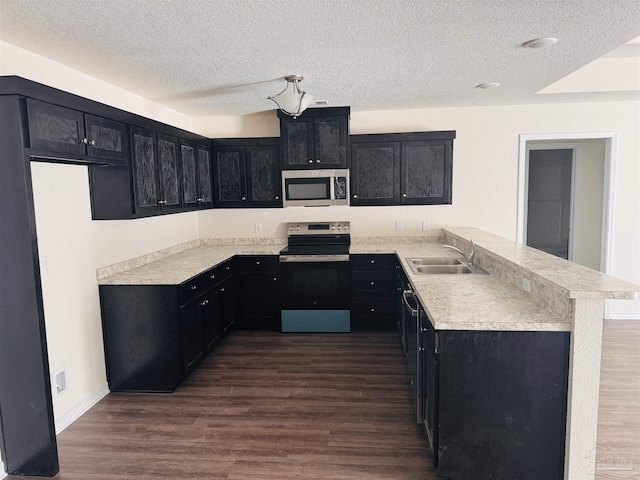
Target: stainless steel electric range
{"type": "Point", "coordinates": [314, 278]}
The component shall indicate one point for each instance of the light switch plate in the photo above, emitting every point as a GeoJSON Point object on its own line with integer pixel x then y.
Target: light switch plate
{"type": "Point", "coordinates": [399, 225]}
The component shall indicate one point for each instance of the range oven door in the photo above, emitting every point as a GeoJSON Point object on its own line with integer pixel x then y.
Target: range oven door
{"type": "Point", "coordinates": [315, 295]}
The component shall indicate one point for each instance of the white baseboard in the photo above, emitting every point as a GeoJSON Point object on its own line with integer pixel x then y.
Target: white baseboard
{"type": "Point", "coordinates": [623, 316]}
{"type": "Point", "coordinates": [72, 415]}
{"type": "Point", "coordinates": [3, 474]}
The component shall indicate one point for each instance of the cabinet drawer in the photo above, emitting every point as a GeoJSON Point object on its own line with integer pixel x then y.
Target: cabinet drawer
{"type": "Point", "coordinates": [257, 263]}
{"type": "Point", "coordinates": [373, 314]}
{"type": "Point", "coordinates": [373, 283]}
{"type": "Point", "coordinates": [191, 289]}
{"type": "Point", "coordinates": [384, 262]}
{"type": "Point", "coordinates": [217, 274]}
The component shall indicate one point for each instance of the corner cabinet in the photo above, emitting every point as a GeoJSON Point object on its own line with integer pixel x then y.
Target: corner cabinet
{"type": "Point", "coordinates": [317, 139]}
{"type": "Point", "coordinates": [402, 168]}
{"type": "Point", "coordinates": [247, 172]}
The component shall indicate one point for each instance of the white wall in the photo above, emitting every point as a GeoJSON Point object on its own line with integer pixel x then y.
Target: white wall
{"type": "Point", "coordinates": [74, 244]}
{"type": "Point", "coordinates": [485, 174]}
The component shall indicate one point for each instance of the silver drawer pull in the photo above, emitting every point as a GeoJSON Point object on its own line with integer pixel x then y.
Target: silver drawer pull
{"type": "Point", "coordinates": [193, 287]}
{"type": "Point", "coordinates": [373, 283]}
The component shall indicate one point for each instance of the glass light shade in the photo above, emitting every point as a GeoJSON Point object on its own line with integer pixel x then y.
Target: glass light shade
{"type": "Point", "coordinates": [293, 103]}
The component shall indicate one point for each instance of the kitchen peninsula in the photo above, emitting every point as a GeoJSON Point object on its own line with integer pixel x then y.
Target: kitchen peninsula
{"type": "Point", "coordinates": [526, 291]}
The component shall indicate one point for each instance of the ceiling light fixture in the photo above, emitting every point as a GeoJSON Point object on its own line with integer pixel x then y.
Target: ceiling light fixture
{"type": "Point", "coordinates": [292, 101]}
{"type": "Point", "coordinates": [540, 42]}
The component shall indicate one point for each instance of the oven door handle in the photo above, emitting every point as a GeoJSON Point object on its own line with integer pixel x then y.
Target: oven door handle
{"type": "Point", "coordinates": [313, 258]}
{"type": "Point", "coordinates": [414, 311]}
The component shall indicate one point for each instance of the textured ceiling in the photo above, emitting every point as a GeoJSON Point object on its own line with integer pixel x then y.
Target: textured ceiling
{"type": "Point", "coordinates": [224, 57]}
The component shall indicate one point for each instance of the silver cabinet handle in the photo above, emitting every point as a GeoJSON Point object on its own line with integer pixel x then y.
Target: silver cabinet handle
{"type": "Point", "coordinates": [275, 279]}
{"type": "Point", "coordinates": [206, 302]}
{"type": "Point", "coordinates": [193, 287]}
{"type": "Point", "coordinates": [317, 161]}
{"type": "Point", "coordinates": [373, 283]}
{"type": "Point", "coordinates": [310, 161]}
{"type": "Point", "coordinates": [212, 277]}
{"type": "Point", "coordinates": [373, 309]}
{"type": "Point", "coordinates": [222, 289]}
{"type": "Point", "coordinates": [414, 311]}
{"type": "Point", "coordinates": [85, 141]}
{"type": "Point", "coordinates": [162, 202]}
{"type": "Point", "coordinates": [355, 196]}
{"type": "Point", "coordinates": [277, 197]}
{"type": "Point", "coordinates": [257, 262]}
{"type": "Point", "coordinates": [404, 195]}
{"type": "Point", "coordinates": [227, 268]}
{"type": "Point", "coordinates": [199, 200]}
{"type": "Point", "coordinates": [92, 143]}
{"type": "Point", "coordinates": [373, 261]}
{"type": "Point", "coordinates": [244, 198]}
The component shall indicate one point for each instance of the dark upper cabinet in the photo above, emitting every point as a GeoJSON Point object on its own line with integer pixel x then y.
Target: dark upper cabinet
{"type": "Point", "coordinates": [169, 172]}
{"type": "Point", "coordinates": [375, 173]}
{"type": "Point", "coordinates": [263, 176]}
{"type": "Point", "coordinates": [205, 181]}
{"type": "Point", "coordinates": [195, 163]}
{"type": "Point", "coordinates": [156, 172]}
{"type": "Point", "coordinates": [230, 186]}
{"type": "Point", "coordinates": [145, 171]}
{"type": "Point", "coordinates": [246, 173]}
{"type": "Point", "coordinates": [189, 174]}
{"type": "Point", "coordinates": [82, 137]}
{"type": "Point", "coordinates": [318, 138]}
{"type": "Point", "coordinates": [402, 168]}
{"type": "Point", "coordinates": [425, 172]}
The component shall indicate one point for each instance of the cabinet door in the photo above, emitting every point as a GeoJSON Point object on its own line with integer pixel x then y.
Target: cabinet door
{"type": "Point", "coordinates": [229, 177]}
{"type": "Point", "coordinates": [330, 142]}
{"type": "Point", "coordinates": [191, 335]}
{"type": "Point", "coordinates": [426, 172]}
{"type": "Point", "coordinates": [259, 307]}
{"type": "Point", "coordinates": [375, 170]}
{"type": "Point", "coordinates": [55, 128]}
{"type": "Point", "coordinates": [189, 175]}
{"type": "Point", "coordinates": [169, 172]}
{"type": "Point", "coordinates": [226, 305]}
{"type": "Point", "coordinates": [205, 186]}
{"type": "Point", "coordinates": [210, 319]}
{"type": "Point", "coordinates": [297, 143]}
{"type": "Point", "coordinates": [264, 179]}
{"type": "Point", "coordinates": [106, 139]}
{"type": "Point", "coordinates": [145, 172]}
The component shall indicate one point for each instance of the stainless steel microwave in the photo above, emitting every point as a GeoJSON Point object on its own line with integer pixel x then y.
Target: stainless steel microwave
{"type": "Point", "coordinates": [314, 188]}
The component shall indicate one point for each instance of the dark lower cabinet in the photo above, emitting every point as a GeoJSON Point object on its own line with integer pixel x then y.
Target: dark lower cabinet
{"type": "Point", "coordinates": [502, 399]}
{"type": "Point", "coordinates": [373, 292]}
{"type": "Point", "coordinates": [258, 306]}
{"type": "Point", "coordinates": [155, 335]}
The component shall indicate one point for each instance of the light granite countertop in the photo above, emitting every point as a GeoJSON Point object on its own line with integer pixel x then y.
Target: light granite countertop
{"type": "Point", "coordinates": [453, 302]}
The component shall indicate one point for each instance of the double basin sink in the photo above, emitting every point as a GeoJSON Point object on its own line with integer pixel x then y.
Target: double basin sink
{"type": "Point", "coordinates": [441, 266]}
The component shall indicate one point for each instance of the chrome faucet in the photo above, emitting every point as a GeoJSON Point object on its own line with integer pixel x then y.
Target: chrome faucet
{"type": "Point", "coordinates": [467, 256]}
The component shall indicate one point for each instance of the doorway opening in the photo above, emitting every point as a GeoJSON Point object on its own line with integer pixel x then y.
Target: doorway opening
{"type": "Point", "coordinates": [565, 197]}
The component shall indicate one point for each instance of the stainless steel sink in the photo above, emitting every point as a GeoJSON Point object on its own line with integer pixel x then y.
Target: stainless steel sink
{"type": "Point", "coordinates": [441, 266]}
{"type": "Point", "coordinates": [443, 269]}
{"type": "Point", "coordinates": [435, 261]}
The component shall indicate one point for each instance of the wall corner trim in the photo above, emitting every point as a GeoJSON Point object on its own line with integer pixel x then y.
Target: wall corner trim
{"type": "Point", "coordinates": [76, 412]}
{"type": "Point", "coordinates": [3, 473]}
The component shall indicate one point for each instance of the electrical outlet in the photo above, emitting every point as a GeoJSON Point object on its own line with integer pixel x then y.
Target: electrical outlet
{"type": "Point", "coordinates": [426, 225]}
{"type": "Point", "coordinates": [399, 225]}
{"type": "Point", "coordinates": [258, 228]}
{"type": "Point", "coordinates": [526, 285]}
{"type": "Point", "coordinates": [45, 266]}
{"type": "Point", "coordinates": [138, 243]}
{"type": "Point", "coordinates": [60, 384]}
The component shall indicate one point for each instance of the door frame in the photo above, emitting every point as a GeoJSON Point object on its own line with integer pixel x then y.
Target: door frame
{"type": "Point", "coordinates": [608, 200]}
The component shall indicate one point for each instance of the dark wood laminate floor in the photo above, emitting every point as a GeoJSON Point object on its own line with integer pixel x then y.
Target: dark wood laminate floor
{"type": "Point", "coordinates": [263, 406]}
{"type": "Point", "coordinates": [274, 406]}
